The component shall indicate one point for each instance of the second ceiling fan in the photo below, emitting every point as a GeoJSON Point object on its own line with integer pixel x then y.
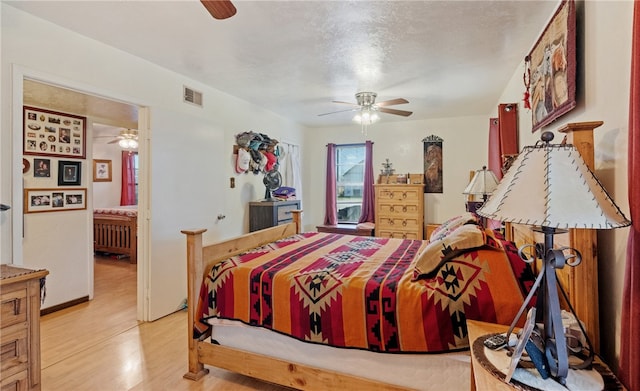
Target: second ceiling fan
{"type": "Point", "coordinates": [366, 101]}
{"type": "Point", "coordinates": [219, 9]}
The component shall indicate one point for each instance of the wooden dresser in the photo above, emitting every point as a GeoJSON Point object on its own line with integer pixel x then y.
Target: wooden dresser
{"type": "Point", "coordinates": [20, 324]}
{"type": "Point", "coordinates": [399, 211]}
{"type": "Point", "coordinates": [265, 214]}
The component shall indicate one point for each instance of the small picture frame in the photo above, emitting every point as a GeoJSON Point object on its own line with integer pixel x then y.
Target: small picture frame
{"type": "Point", "coordinates": [101, 170]}
{"type": "Point", "coordinates": [69, 173]}
{"type": "Point", "coordinates": [41, 168]}
{"type": "Point", "coordinates": [54, 200]}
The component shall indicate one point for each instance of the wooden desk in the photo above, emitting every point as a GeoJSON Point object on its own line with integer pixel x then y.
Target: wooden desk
{"type": "Point", "coordinates": [482, 379]}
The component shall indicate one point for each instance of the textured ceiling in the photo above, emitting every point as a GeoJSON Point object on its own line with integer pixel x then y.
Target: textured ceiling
{"type": "Point", "coordinates": [448, 58]}
{"type": "Point", "coordinates": [103, 111]}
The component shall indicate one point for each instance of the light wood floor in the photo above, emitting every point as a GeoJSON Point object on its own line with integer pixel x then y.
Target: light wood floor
{"type": "Point", "coordinates": [99, 345]}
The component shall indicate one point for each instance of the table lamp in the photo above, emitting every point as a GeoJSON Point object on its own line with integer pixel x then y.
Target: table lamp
{"type": "Point", "coordinates": [483, 183]}
{"type": "Point", "coordinates": [549, 186]}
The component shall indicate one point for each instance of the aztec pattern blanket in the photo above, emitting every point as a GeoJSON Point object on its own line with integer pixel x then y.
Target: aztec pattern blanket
{"type": "Point", "coordinates": [357, 292]}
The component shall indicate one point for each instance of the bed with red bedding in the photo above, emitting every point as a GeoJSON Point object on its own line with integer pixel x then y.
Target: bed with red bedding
{"type": "Point", "coordinates": [361, 292]}
{"type": "Point", "coordinates": [365, 293]}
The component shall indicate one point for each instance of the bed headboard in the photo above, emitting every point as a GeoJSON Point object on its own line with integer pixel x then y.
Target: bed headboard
{"type": "Point", "coordinates": [579, 282]}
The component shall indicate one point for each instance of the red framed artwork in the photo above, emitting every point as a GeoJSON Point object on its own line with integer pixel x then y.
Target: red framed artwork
{"type": "Point", "coordinates": [552, 68]}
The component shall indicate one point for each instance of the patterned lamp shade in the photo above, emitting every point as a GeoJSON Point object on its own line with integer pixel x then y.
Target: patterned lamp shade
{"type": "Point", "coordinates": [549, 185]}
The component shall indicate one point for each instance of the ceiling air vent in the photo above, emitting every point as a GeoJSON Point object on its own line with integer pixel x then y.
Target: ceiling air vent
{"type": "Point", "coordinates": [192, 96]}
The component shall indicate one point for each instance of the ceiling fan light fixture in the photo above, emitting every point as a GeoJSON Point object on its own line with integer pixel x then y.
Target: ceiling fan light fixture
{"type": "Point", "coordinates": [128, 143]}
{"type": "Point", "coordinates": [366, 116]}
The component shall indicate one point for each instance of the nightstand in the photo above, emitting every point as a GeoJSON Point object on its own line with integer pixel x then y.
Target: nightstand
{"type": "Point", "coordinates": [485, 376]}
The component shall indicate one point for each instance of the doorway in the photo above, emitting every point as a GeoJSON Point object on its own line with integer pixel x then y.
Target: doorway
{"type": "Point", "coordinates": [64, 98]}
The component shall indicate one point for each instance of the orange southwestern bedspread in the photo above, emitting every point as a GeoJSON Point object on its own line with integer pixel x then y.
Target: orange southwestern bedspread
{"type": "Point", "coordinates": [357, 292]}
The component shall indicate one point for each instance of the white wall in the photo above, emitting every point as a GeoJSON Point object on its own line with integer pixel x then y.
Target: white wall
{"type": "Point", "coordinates": [465, 141]}
{"type": "Point", "coordinates": [107, 194]}
{"type": "Point", "coordinates": [39, 48]}
{"type": "Point", "coordinates": [604, 56]}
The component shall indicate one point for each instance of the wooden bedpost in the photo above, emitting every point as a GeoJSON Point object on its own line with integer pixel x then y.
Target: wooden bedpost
{"type": "Point", "coordinates": [583, 280]}
{"type": "Point", "coordinates": [194, 278]}
{"type": "Point", "coordinates": [297, 218]}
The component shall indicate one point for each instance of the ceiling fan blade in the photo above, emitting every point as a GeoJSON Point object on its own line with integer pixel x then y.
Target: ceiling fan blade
{"type": "Point", "coordinates": [339, 111]}
{"type": "Point", "coordinates": [394, 111]}
{"type": "Point", "coordinates": [345, 103]}
{"type": "Point", "coordinates": [219, 9]}
{"type": "Point", "coordinates": [114, 141]}
{"type": "Point", "coordinates": [399, 101]}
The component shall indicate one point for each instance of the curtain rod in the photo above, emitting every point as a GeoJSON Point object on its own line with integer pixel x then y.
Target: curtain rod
{"type": "Point", "coordinates": [349, 145]}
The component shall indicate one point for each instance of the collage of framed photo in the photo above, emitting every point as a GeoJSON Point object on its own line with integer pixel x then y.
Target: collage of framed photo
{"type": "Point", "coordinates": [54, 200]}
{"type": "Point", "coordinates": [51, 133]}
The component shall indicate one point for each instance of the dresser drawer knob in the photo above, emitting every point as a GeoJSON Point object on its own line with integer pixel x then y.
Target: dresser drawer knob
{"type": "Point", "coordinates": [404, 223]}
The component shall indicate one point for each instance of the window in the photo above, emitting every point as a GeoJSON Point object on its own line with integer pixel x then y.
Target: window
{"type": "Point", "coordinates": [349, 182]}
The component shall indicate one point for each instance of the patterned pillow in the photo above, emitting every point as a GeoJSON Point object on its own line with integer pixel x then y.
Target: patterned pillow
{"type": "Point", "coordinates": [452, 224]}
{"type": "Point", "coordinates": [463, 238]}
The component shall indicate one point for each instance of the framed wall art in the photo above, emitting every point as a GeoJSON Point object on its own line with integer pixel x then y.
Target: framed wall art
{"type": "Point", "coordinates": [433, 164]}
{"type": "Point", "coordinates": [54, 200]}
{"type": "Point", "coordinates": [69, 173]}
{"type": "Point", "coordinates": [551, 68]}
{"type": "Point", "coordinates": [51, 133]}
{"type": "Point", "coordinates": [101, 170]}
{"type": "Point", "coordinates": [41, 168]}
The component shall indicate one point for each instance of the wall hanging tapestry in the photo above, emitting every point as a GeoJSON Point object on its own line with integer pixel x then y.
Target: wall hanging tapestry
{"type": "Point", "coordinates": [552, 68]}
{"type": "Point", "coordinates": [432, 164]}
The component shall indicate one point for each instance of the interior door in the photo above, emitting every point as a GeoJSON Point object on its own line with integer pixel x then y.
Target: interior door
{"type": "Point", "coordinates": [186, 182]}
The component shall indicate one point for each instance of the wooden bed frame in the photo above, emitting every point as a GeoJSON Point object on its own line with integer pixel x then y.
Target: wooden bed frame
{"type": "Point", "coordinates": [116, 234]}
{"type": "Point", "coordinates": [200, 258]}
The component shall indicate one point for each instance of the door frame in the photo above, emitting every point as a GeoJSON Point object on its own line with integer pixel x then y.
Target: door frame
{"type": "Point", "coordinates": [19, 73]}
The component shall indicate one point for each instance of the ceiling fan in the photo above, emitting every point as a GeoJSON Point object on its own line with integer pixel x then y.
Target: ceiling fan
{"type": "Point", "coordinates": [128, 138]}
{"type": "Point", "coordinates": [366, 102]}
{"type": "Point", "coordinates": [125, 134]}
{"type": "Point", "coordinates": [220, 9]}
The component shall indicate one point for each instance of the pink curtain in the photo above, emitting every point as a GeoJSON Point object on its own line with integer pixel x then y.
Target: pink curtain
{"type": "Point", "coordinates": [331, 214]}
{"type": "Point", "coordinates": [629, 371]}
{"type": "Point", "coordinates": [368, 203]}
{"type": "Point", "coordinates": [128, 195]}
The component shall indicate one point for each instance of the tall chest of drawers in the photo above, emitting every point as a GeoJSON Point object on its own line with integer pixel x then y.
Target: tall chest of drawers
{"type": "Point", "coordinates": [20, 323]}
{"type": "Point", "coordinates": [399, 211]}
